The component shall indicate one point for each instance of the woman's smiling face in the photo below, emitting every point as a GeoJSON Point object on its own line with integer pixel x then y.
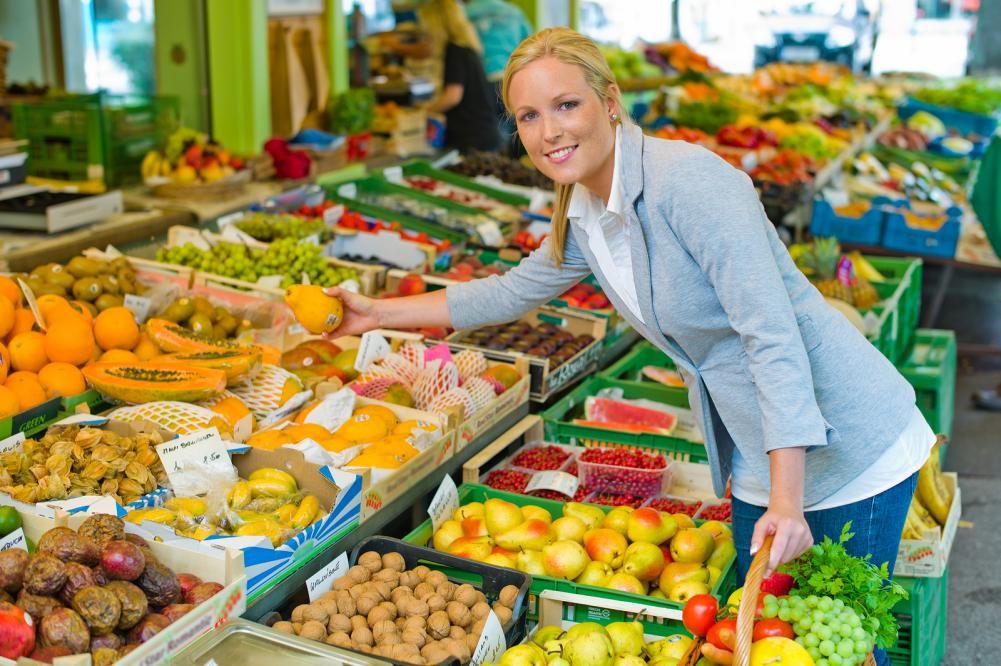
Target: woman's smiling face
{"type": "Point", "coordinates": [565, 127]}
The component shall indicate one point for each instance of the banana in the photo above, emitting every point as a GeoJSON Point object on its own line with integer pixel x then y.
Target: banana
{"type": "Point", "coordinates": [932, 490]}
{"type": "Point", "coordinates": [285, 513]}
{"type": "Point", "coordinates": [190, 505]}
{"type": "Point", "coordinates": [240, 495]}
{"type": "Point", "coordinates": [157, 515]}
{"type": "Point", "coordinates": [922, 513]}
{"type": "Point", "coordinates": [864, 269]}
{"type": "Point", "coordinates": [150, 165]}
{"type": "Point", "coordinates": [269, 487]}
{"type": "Point", "coordinates": [276, 474]}
{"type": "Point", "coordinates": [265, 528]}
{"type": "Point", "coordinates": [912, 529]}
{"type": "Point", "coordinates": [306, 514]}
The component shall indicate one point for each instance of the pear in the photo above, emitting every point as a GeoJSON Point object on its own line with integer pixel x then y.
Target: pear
{"type": "Point", "coordinates": [650, 525]}
{"type": "Point", "coordinates": [678, 572]}
{"type": "Point", "coordinates": [564, 559]}
{"type": "Point", "coordinates": [643, 560]}
{"type": "Point", "coordinates": [623, 582]}
{"type": "Point", "coordinates": [533, 534]}
{"type": "Point", "coordinates": [722, 553]}
{"type": "Point", "coordinates": [526, 654]}
{"type": "Point", "coordinates": [501, 560]}
{"type": "Point", "coordinates": [473, 548]}
{"type": "Point", "coordinates": [554, 648]}
{"type": "Point", "coordinates": [617, 519]}
{"type": "Point", "coordinates": [670, 661]}
{"type": "Point", "coordinates": [543, 635]}
{"type": "Point", "coordinates": [591, 516]}
{"type": "Point", "coordinates": [628, 660]}
{"type": "Point", "coordinates": [683, 520]}
{"type": "Point", "coordinates": [501, 516]}
{"type": "Point", "coordinates": [569, 528]}
{"type": "Point", "coordinates": [605, 545]}
{"type": "Point", "coordinates": [714, 575]}
{"type": "Point", "coordinates": [449, 531]}
{"type": "Point", "coordinates": [558, 661]}
{"type": "Point", "coordinates": [674, 646]}
{"type": "Point", "coordinates": [584, 628]}
{"type": "Point", "coordinates": [692, 545]}
{"type": "Point", "coordinates": [687, 589]}
{"type": "Point", "coordinates": [471, 510]}
{"type": "Point", "coordinates": [716, 528]}
{"type": "Point", "coordinates": [530, 562]}
{"type": "Point", "coordinates": [627, 638]}
{"type": "Point", "coordinates": [657, 593]}
{"type": "Point", "coordinates": [532, 511]}
{"type": "Point", "coordinates": [592, 649]}
{"type": "Point", "coordinates": [595, 573]}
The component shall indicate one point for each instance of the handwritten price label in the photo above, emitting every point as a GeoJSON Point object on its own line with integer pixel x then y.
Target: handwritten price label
{"type": "Point", "coordinates": [319, 583]}
{"type": "Point", "coordinates": [492, 644]}
{"type": "Point", "coordinates": [444, 503]}
{"type": "Point", "coordinates": [561, 482]}
{"type": "Point", "coordinates": [194, 461]}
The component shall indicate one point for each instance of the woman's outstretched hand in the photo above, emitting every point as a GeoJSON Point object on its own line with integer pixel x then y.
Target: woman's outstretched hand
{"type": "Point", "coordinates": [360, 314]}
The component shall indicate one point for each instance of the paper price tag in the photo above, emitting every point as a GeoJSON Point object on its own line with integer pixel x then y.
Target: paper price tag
{"type": "Point", "coordinates": [492, 643]}
{"type": "Point", "coordinates": [228, 220]}
{"type": "Point", "coordinates": [14, 540]}
{"type": "Point", "coordinates": [561, 482]}
{"type": "Point", "coordinates": [202, 451]}
{"type": "Point", "coordinates": [348, 191]}
{"type": "Point", "coordinates": [139, 306]}
{"type": "Point", "coordinates": [444, 503]}
{"type": "Point", "coordinates": [490, 233]}
{"type": "Point", "coordinates": [29, 296]}
{"type": "Point", "coordinates": [372, 347]}
{"type": "Point", "coordinates": [12, 443]}
{"type": "Point", "coordinates": [270, 281]}
{"type": "Point", "coordinates": [233, 233]}
{"type": "Point", "coordinates": [312, 239]}
{"type": "Point", "coordinates": [319, 583]}
{"type": "Point", "coordinates": [333, 215]}
{"type": "Point", "coordinates": [393, 174]}
{"type": "Point", "coordinates": [350, 285]}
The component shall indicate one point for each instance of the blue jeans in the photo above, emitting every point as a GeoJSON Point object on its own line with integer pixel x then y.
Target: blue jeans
{"type": "Point", "coordinates": [876, 521]}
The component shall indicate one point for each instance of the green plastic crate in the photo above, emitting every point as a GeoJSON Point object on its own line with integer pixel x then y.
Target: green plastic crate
{"type": "Point", "coordinates": [628, 370]}
{"type": "Point", "coordinates": [472, 492]}
{"type": "Point", "coordinates": [99, 136]}
{"type": "Point", "coordinates": [904, 277]}
{"type": "Point", "coordinates": [923, 620]}
{"type": "Point", "coordinates": [930, 367]}
{"type": "Point", "coordinates": [422, 168]}
{"type": "Point", "coordinates": [560, 427]}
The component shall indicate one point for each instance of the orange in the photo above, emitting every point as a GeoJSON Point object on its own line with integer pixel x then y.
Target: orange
{"type": "Point", "coordinates": [6, 315]}
{"type": "Point", "coordinates": [82, 310]}
{"type": "Point", "coordinates": [27, 351]}
{"type": "Point", "coordinates": [4, 363]}
{"type": "Point", "coordinates": [24, 321]}
{"type": "Point", "coordinates": [10, 289]}
{"type": "Point", "coordinates": [146, 349]}
{"type": "Point", "coordinates": [49, 304]}
{"type": "Point", "coordinates": [9, 405]}
{"type": "Point", "coordinates": [69, 340]}
{"type": "Point", "coordinates": [118, 356]}
{"type": "Point", "coordinates": [116, 328]}
{"type": "Point", "coordinates": [270, 355]}
{"type": "Point", "coordinates": [27, 388]}
{"type": "Point", "coordinates": [61, 380]}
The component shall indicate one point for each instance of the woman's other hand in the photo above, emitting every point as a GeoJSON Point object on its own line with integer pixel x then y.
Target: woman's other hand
{"type": "Point", "coordinates": [360, 312]}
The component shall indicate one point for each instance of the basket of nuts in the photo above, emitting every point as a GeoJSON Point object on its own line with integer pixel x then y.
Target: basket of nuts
{"type": "Point", "coordinates": [391, 605]}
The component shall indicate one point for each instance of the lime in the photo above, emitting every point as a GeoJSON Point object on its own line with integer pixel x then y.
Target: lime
{"type": "Point", "coordinates": [10, 520]}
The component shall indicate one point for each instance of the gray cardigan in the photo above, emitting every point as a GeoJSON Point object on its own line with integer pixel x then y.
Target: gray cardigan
{"type": "Point", "coordinates": [769, 364]}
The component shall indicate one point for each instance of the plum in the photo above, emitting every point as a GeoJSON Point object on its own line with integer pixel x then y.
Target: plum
{"type": "Point", "coordinates": [122, 560]}
{"type": "Point", "coordinates": [200, 593]}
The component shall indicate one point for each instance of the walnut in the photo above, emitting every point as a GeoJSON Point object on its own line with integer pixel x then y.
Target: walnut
{"type": "Point", "coordinates": [315, 613]}
{"type": "Point", "coordinates": [383, 627]}
{"type": "Point", "coordinates": [508, 595]}
{"type": "Point", "coordinates": [447, 590]}
{"type": "Point", "coordinates": [383, 589]}
{"type": "Point", "coordinates": [436, 579]}
{"type": "Point", "coordinates": [328, 605]}
{"type": "Point", "coordinates": [343, 583]}
{"type": "Point", "coordinates": [394, 561]}
{"type": "Point", "coordinates": [359, 622]}
{"type": "Point", "coordinates": [359, 574]}
{"type": "Point", "coordinates": [436, 602]}
{"type": "Point", "coordinates": [458, 614]}
{"type": "Point", "coordinates": [424, 590]}
{"type": "Point", "coordinates": [363, 636]}
{"type": "Point", "coordinates": [364, 604]}
{"type": "Point", "coordinates": [284, 627]}
{"type": "Point", "coordinates": [414, 637]}
{"type": "Point", "coordinates": [458, 633]}
{"type": "Point", "coordinates": [339, 623]}
{"type": "Point", "coordinates": [313, 630]}
{"type": "Point", "coordinates": [371, 561]}
{"type": "Point", "coordinates": [297, 613]}
{"type": "Point", "coordinates": [404, 652]}
{"type": "Point", "coordinates": [466, 595]}
{"type": "Point", "coordinates": [390, 576]}
{"type": "Point", "coordinates": [503, 614]}
{"type": "Point", "coordinates": [339, 639]}
{"type": "Point", "coordinates": [421, 571]}
{"type": "Point", "coordinates": [472, 640]}
{"type": "Point", "coordinates": [390, 608]}
{"type": "Point", "coordinates": [410, 579]}
{"type": "Point", "coordinates": [480, 610]}
{"type": "Point", "coordinates": [416, 607]}
{"type": "Point", "coordinates": [457, 649]}
{"type": "Point", "coordinates": [415, 623]}
{"type": "Point", "coordinates": [400, 593]}
{"type": "Point", "coordinates": [346, 604]}
{"type": "Point", "coordinates": [377, 615]}
{"type": "Point", "coordinates": [439, 625]}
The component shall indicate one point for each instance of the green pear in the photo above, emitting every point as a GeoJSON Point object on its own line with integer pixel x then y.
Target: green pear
{"type": "Point", "coordinates": [627, 638]}
{"type": "Point", "coordinates": [558, 661]}
{"type": "Point", "coordinates": [665, 661]}
{"type": "Point", "coordinates": [471, 510]}
{"type": "Point", "coordinates": [526, 654]}
{"type": "Point", "coordinates": [628, 660]}
{"type": "Point", "coordinates": [687, 589]}
{"type": "Point", "coordinates": [617, 519]}
{"type": "Point", "coordinates": [583, 629]}
{"type": "Point", "coordinates": [643, 560]}
{"type": "Point", "coordinates": [533, 534]}
{"type": "Point", "coordinates": [531, 562]}
{"type": "Point", "coordinates": [595, 573]}
{"type": "Point", "coordinates": [673, 647]}
{"type": "Point", "coordinates": [592, 649]}
{"type": "Point", "coordinates": [564, 559]}
{"type": "Point", "coordinates": [722, 553]}
{"type": "Point", "coordinates": [501, 516]}
{"type": "Point", "coordinates": [714, 575]}
{"type": "Point", "coordinates": [657, 593]}
{"type": "Point", "coordinates": [544, 634]}
{"type": "Point", "coordinates": [569, 528]}
{"type": "Point", "coordinates": [554, 648]}
{"type": "Point", "coordinates": [624, 582]}
{"type": "Point", "coordinates": [590, 515]}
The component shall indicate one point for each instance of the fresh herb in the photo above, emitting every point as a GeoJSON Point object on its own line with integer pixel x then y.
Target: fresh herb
{"type": "Point", "coordinates": [828, 570]}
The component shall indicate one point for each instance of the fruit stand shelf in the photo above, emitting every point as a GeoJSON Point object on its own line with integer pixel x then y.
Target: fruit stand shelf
{"type": "Point", "coordinates": [395, 510]}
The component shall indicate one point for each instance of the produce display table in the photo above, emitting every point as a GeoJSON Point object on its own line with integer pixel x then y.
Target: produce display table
{"type": "Point", "coordinates": [397, 509]}
{"type": "Point", "coordinates": [204, 211]}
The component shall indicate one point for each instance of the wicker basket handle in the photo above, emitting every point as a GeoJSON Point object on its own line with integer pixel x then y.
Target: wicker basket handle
{"type": "Point", "coordinates": [748, 603]}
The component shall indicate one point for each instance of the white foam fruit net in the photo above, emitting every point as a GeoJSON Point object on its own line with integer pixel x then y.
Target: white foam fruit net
{"type": "Point", "coordinates": [470, 363]}
{"type": "Point", "coordinates": [178, 417]}
{"type": "Point", "coordinates": [216, 399]}
{"type": "Point", "coordinates": [481, 391]}
{"type": "Point", "coordinates": [262, 394]}
{"type": "Point", "coordinates": [413, 352]}
{"type": "Point", "coordinates": [434, 380]}
{"type": "Point", "coordinates": [454, 398]}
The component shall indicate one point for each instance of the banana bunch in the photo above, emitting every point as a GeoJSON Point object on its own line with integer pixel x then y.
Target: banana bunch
{"type": "Point", "coordinates": [268, 504]}
{"type": "Point", "coordinates": [155, 165]}
{"type": "Point", "coordinates": [931, 502]}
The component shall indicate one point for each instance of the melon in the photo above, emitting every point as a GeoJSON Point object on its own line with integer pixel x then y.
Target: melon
{"type": "Point", "coordinates": [618, 413]}
{"type": "Point", "coordinates": [138, 383]}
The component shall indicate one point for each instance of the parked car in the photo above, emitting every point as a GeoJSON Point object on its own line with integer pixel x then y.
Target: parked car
{"type": "Point", "coordinates": [841, 31]}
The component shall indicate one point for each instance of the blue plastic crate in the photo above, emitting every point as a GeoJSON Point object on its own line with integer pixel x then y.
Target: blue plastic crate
{"type": "Point", "coordinates": [902, 237]}
{"type": "Point", "coordinates": [963, 121]}
{"type": "Point", "coordinates": [866, 229]}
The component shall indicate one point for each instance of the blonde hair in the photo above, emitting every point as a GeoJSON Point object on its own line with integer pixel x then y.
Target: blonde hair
{"type": "Point", "coordinates": [571, 48]}
{"type": "Point", "coordinates": [445, 21]}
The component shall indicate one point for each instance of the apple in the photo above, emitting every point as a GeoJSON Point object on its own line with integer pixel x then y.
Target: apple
{"type": "Point", "coordinates": [412, 284]}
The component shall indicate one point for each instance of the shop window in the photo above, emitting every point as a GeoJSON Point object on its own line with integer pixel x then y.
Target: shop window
{"type": "Point", "coordinates": [108, 45]}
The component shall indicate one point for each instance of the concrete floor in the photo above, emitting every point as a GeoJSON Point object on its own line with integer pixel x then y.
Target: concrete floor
{"type": "Point", "coordinates": [973, 309]}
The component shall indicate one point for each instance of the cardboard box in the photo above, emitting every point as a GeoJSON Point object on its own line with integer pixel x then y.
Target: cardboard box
{"type": "Point", "coordinates": [220, 567]}
{"type": "Point", "coordinates": [928, 557]}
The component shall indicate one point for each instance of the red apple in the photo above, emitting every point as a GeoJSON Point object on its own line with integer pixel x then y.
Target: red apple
{"type": "Point", "coordinates": [411, 284]}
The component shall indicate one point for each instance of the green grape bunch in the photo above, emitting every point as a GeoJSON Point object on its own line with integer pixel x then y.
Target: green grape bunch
{"type": "Point", "coordinates": [268, 227]}
{"type": "Point", "coordinates": [286, 257]}
{"type": "Point", "coordinates": [829, 630]}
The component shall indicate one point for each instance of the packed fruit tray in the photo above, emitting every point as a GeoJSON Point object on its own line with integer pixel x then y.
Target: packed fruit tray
{"type": "Point", "coordinates": [445, 185]}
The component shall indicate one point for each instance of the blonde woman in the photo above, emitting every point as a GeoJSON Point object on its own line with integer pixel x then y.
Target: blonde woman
{"type": "Point", "coordinates": [813, 424]}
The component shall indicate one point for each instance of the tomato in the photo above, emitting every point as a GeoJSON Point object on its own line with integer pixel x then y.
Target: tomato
{"type": "Point", "coordinates": [772, 627]}
{"type": "Point", "coordinates": [699, 614]}
{"type": "Point", "coordinates": [723, 634]}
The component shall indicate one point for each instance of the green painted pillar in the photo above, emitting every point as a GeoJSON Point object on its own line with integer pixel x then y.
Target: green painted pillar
{"type": "Point", "coordinates": [240, 90]}
{"type": "Point", "coordinates": [179, 29]}
{"type": "Point", "coordinates": [337, 46]}
{"type": "Point", "coordinates": [532, 10]}
{"type": "Point", "coordinates": [574, 14]}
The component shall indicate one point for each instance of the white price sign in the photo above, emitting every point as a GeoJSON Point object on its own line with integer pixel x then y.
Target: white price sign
{"type": "Point", "coordinates": [12, 443]}
{"type": "Point", "coordinates": [561, 482]}
{"type": "Point", "coordinates": [139, 306]}
{"type": "Point", "coordinates": [444, 503]}
{"type": "Point", "coordinates": [492, 644]}
{"type": "Point", "coordinates": [319, 583]}
{"type": "Point", "coordinates": [14, 540]}
{"type": "Point", "coordinates": [193, 461]}
{"type": "Point", "coordinates": [491, 234]}
{"type": "Point", "coordinates": [371, 348]}
{"type": "Point", "coordinates": [333, 215]}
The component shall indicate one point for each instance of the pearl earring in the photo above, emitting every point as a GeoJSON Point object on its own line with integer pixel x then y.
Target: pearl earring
{"type": "Point", "coordinates": [615, 117]}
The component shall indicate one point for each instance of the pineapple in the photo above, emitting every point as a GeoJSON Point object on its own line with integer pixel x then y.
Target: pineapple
{"type": "Point", "coordinates": [821, 260]}
{"type": "Point", "coordinates": [864, 293]}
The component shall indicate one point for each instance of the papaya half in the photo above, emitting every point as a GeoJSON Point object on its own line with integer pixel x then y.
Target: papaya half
{"type": "Point", "coordinates": [237, 364]}
{"type": "Point", "coordinates": [138, 383]}
{"type": "Point", "coordinates": [171, 338]}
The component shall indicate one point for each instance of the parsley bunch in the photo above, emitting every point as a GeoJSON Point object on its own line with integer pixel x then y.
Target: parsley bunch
{"type": "Point", "coordinates": [828, 570]}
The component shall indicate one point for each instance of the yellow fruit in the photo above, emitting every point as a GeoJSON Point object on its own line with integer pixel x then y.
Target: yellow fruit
{"type": "Point", "coordinates": [24, 321]}
{"type": "Point", "coordinates": [270, 487]}
{"type": "Point", "coordinates": [116, 328]}
{"type": "Point", "coordinates": [185, 175]}
{"type": "Point", "coordinates": [315, 310]}
{"type": "Point", "coordinates": [286, 513]}
{"type": "Point", "coordinates": [363, 428]}
{"type": "Point", "coordinates": [290, 388]}
{"type": "Point", "coordinates": [239, 495]}
{"type": "Point", "coordinates": [9, 405]}
{"type": "Point", "coordinates": [190, 505]}
{"type": "Point", "coordinates": [337, 444]}
{"type": "Point", "coordinates": [233, 411]}
{"type": "Point", "coordinates": [146, 349]}
{"type": "Point", "coordinates": [49, 305]}
{"type": "Point", "coordinates": [156, 515]}
{"type": "Point", "coordinates": [61, 380]}
{"type": "Point", "coordinates": [380, 412]}
{"type": "Point", "coordinates": [275, 475]}
{"type": "Point", "coordinates": [407, 427]}
{"type": "Point", "coordinates": [10, 289]}
{"type": "Point", "coordinates": [265, 528]}
{"type": "Point", "coordinates": [778, 651]}
{"type": "Point", "coordinates": [4, 363]}
{"type": "Point", "coordinates": [306, 513]}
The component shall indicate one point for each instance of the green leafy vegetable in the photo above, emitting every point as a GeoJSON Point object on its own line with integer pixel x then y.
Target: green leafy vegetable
{"type": "Point", "coordinates": [828, 569]}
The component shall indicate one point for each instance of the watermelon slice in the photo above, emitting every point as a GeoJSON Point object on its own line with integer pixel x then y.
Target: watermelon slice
{"type": "Point", "coordinates": [622, 427]}
{"type": "Point", "coordinates": [663, 376]}
{"type": "Point", "coordinates": [623, 412]}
